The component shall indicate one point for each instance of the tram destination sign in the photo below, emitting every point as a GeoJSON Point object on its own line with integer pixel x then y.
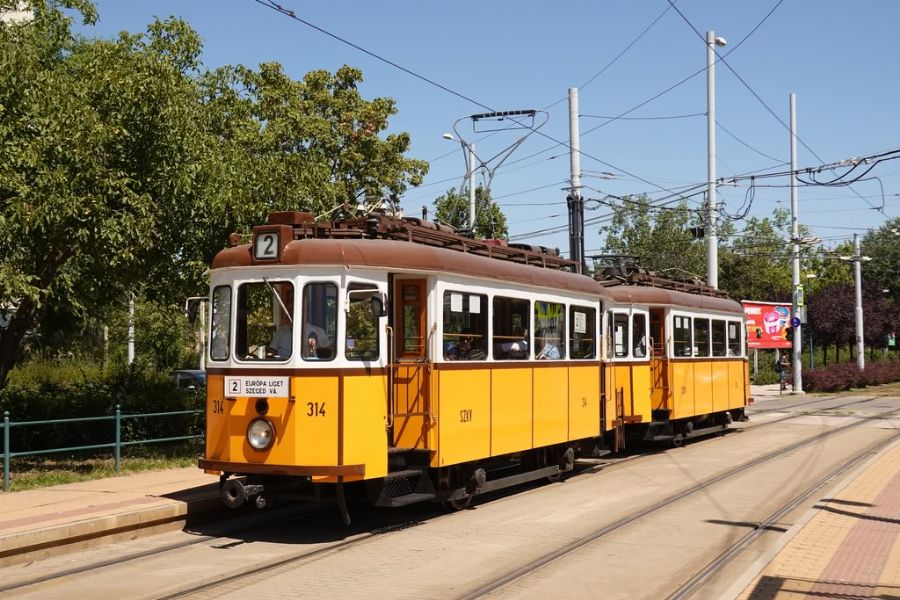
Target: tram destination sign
{"type": "Point", "coordinates": [767, 323]}
{"type": "Point", "coordinates": [257, 386]}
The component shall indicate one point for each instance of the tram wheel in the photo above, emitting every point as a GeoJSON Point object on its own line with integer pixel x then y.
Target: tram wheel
{"type": "Point", "coordinates": [555, 477]}
{"type": "Point", "coordinates": [458, 504]}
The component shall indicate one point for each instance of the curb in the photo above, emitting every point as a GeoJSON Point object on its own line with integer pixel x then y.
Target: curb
{"type": "Point", "coordinates": [50, 541]}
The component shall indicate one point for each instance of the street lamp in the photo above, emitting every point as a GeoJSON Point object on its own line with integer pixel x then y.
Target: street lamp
{"type": "Point", "coordinates": [469, 154]}
{"type": "Point", "coordinates": [712, 241]}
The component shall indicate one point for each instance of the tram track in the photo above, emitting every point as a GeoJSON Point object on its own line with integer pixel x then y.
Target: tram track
{"type": "Point", "coordinates": [229, 535]}
{"type": "Point", "coordinates": [531, 567]}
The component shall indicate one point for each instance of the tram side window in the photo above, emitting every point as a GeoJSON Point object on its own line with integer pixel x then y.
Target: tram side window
{"type": "Point", "coordinates": [549, 325]}
{"type": "Point", "coordinates": [361, 342]}
{"type": "Point", "coordinates": [639, 335]}
{"type": "Point", "coordinates": [265, 321]}
{"type": "Point", "coordinates": [718, 338]}
{"type": "Point", "coordinates": [701, 337]}
{"type": "Point", "coordinates": [220, 328]}
{"type": "Point", "coordinates": [510, 341]}
{"type": "Point", "coordinates": [734, 338]}
{"type": "Point", "coordinates": [582, 327]}
{"type": "Point", "coordinates": [620, 334]}
{"type": "Point", "coordinates": [319, 331]}
{"type": "Point", "coordinates": [681, 336]}
{"type": "Point", "coordinates": [465, 326]}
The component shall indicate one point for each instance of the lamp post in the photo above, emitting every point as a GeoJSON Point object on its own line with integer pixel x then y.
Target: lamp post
{"type": "Point", "coordinates": [712, 240]}
{"type": "Point", "coordinates": [812, 360]}
{"type": "Point", "coordinates": [469, 153]}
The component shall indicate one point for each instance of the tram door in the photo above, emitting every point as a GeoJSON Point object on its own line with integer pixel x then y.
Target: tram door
{"type": "Point", "coordinates": [659, 372]}
{"type": "Point", "coordinates": [411, 367]}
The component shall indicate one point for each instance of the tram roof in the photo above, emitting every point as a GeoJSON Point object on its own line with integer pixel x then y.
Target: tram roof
{"type": "Point", "coordinates": [402, 255]}
{"type": "Point", "coordinates": [656, 296]}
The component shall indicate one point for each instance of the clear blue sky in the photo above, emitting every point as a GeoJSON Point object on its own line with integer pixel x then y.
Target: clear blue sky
{"type": "Point", "coordinates": [841, 59]}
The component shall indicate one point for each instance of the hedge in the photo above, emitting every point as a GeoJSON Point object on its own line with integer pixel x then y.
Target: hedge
{"type": "Point", "coordinates": [843, 376]}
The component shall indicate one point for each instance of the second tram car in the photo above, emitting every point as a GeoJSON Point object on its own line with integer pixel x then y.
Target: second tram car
{"type": "Point", "coordinates": [416, 364]}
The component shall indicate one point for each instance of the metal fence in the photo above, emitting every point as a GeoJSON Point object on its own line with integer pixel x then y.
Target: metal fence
{"type": "Point", "coordinates": [117, 444]}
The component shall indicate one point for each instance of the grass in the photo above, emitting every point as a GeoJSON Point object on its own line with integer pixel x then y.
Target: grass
{"type": "Point", "coordinates": [887, 389]}
{"type": "Point", "coordinates": [31, 472]}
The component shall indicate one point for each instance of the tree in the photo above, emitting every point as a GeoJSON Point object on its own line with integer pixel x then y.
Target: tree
{"type": "Point", "coordinates": [883, 246]}
{"type": "Point", "coordinates": [453, 209]}
{"type": "Point", "coordinates": [101, 142]}
{"type": "Point", "coordinates": [757, 266]}
{"type": "Point", "coordinates": [124, 167]}
{"type": "Point", "coordinates": [660, 238]}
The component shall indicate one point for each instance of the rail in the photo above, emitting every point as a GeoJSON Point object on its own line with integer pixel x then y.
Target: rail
{"type": "Point", "coordinates": [117, 444]}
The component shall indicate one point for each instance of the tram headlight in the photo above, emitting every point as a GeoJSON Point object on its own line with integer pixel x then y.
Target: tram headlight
{"type": "Point", "coordinates": [261, 434]}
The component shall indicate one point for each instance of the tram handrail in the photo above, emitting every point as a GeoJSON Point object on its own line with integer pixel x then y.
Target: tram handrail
{"type": "Point", "coordinates": [390, 375]}
{"type": "Point", "coordinates": [117, 444]}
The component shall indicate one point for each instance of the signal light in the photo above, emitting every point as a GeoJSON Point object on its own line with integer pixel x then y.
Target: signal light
{"type": "Point", "coordinates": [789, 333]}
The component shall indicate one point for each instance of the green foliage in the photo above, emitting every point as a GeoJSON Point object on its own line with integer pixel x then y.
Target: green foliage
{"type": "Point", "coordinates": [659, 239]}
{"type": "Point", "coordinates": [453, 209]}
{"type": "Point", "coordinates": [758, 264]}
{"type": "Point", "coordinates": [883, 247]}
{"type": "Point", "coordinates": [69, 388]}
{"type": "Point", "coordinates": [124, 166]}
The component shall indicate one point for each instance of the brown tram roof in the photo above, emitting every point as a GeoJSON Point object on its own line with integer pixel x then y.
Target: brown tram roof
{"type": "Point", "coordinates": [402, 255]}
{"type": "Point", "coordinates": [639, 294]}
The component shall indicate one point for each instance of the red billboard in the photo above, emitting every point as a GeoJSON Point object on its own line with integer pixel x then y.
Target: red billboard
{"type": "Point", "coordinates": [766, 324]}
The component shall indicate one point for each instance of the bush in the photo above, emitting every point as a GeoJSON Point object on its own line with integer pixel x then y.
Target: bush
{"type": "Point", "coordinates": [43, 390]}
{"type": "Point", "coordinates": [843, 376]}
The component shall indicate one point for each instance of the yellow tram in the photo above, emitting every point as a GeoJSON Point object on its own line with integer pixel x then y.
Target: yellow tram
{"type": "Point", "coordinates": [428, 366]}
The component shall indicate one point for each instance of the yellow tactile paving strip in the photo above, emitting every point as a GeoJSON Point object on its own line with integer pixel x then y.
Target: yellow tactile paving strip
{"type": "Point", "coordinates": [849, 549]}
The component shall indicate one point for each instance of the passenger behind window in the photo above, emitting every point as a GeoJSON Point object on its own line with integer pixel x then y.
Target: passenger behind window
{"type": "Point", "coordinates": [549, 350]}
{"type": "Point", "coordinates": [471, 347]}
{"type": "Point", "coordinates": [640, 350]}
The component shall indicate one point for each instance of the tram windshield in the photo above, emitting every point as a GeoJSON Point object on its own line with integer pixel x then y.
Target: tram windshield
{"type": "Point", "coordinates": [265, 321]}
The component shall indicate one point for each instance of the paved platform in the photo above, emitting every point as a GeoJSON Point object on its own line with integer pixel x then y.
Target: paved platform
{"type": "Point", "coordinates": [847, 546]}
{"type": "Point", "coordinates": [52, 520]}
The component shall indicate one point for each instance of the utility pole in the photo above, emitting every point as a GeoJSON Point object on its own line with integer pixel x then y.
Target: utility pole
{"type": "Point", "coordinates": [797, 363]}
{"type": "Point", "coordinates": [574, 201]}
{"type": "Point", "coordinates": [712, 215]}
{"type": "Point", "coordinates": [471, 169]}
{"type": "Point", "coordinates": [857, 272]}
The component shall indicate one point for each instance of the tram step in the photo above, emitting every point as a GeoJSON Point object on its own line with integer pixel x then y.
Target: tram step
{"type": "Point", "coordinates": [404, 473]}
{"type": "Point", "coordinates": [405, 499]}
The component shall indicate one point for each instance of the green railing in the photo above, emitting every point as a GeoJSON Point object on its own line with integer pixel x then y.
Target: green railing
{"type": "Point", "coordinates": [117, 444]}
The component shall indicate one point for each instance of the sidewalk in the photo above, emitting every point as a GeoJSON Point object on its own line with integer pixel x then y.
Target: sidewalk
{"type": "Point", "coordinates": [42, 522]}
{"type": "Point", "coordinates": [846, 546]}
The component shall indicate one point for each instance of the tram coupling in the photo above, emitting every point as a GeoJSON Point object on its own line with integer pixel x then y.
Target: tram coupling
{"type": "Point", "coordinates": [235, 493]}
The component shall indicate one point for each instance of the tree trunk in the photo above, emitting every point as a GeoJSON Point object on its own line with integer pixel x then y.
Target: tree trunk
{"type": "Point", "coordinates": [12, 339]}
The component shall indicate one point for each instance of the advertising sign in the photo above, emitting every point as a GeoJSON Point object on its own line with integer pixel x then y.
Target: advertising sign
{"type": "Point", "coordinates": [767, 323]}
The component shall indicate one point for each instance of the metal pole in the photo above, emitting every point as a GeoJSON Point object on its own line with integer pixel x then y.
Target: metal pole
{"type": "Point", "coordinates": [118, 437]}
{"type": "Point", "coordinates": [202, 335]}
{"type": "Point", "coordinates": [131, 328]}
{"type": "Point", "coordinates": [712, 241]}
{"type": "Point", "coordinates": [576, 204]}
{"type": "Point", "coordinates": [812, 360]}
{"type": "Point", "coordinates": [471, 170]}
{"type": "Point", "coordinates": [5, 450]}
{"type": "Point", "coordinates": [857, 272]}
{"type": "Point", "coordinates": [795, 252]}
